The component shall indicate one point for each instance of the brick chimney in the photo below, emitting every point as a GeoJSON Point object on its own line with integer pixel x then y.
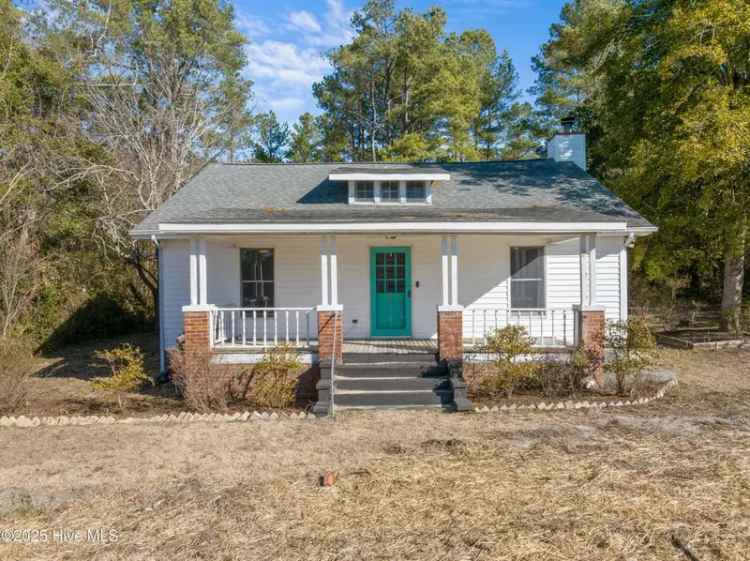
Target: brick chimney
{"type": "Point", "coordinates": [568, 145]}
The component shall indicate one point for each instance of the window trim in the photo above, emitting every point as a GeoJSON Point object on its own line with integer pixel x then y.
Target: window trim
{"type": "Point", "coordinates": [375, 193]}
{"type": "Point", "coordinates": [419, 200]}
{"type": "Point", "coordinates": [543, 249]}
{"type": "Point", "coordinates": [384, 201]}
{"type": "Point", "coordinates": [273, 282]}
{"type": "Point", "coordinates": [378, 199]}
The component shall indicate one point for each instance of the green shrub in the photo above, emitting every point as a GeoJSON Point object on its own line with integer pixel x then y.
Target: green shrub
{"type": "Point", "coordinates": [273, 385]}
{"type": "Point", "coordinates": [128, 372]}
{"type": "Point", "coordinates": [14, 373]}
{"type": "Point", "coordinates": [633, 349]}
{"type": "Point", "coordinates": [508, 345]}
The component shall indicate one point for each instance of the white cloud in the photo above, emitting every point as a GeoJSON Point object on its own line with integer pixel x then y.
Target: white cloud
{"type": "Point", "coordinates": [252, 26]}
{"type": "Point", "coordinates": [304, 21]}
{"type": "Point", "coordinates": [336, 29]}
{"type": "Point", "coordinates": [283, 62]}
{"type": "Point", "coordinates": [286, 104]}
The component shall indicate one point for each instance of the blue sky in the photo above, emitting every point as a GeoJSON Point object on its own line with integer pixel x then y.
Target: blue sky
{"type": "Point", "coordinates": [288, 39]}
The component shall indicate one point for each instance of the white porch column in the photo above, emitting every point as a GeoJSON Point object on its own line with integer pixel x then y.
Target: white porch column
{"type": "Point", "coordinates": [333, 270]}
{"type": "Point", "coordinates": [202, 274]}
{"type": "Point", "coordinates": [193, 272]}
{"type": "Point", "coordinates": [324, 270]}
{"type": "Point", "coordinates": [446, 271]}
{"type": "Point", "coordinates": [588, 269]}
{"type": "Point", "coordinates": [329, 281]}
{"type": "Point", "coordinates": [454, 271]}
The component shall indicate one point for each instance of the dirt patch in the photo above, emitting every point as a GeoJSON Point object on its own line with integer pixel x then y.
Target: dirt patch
{"type": "Point", "coordinates": [594, 484]}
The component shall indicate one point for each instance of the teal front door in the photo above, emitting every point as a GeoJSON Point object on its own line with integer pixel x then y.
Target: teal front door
{"type": "Point", "coordinates": [390, 292]}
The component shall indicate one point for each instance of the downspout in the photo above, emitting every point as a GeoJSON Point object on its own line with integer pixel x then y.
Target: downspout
{"type": "Point", "coordinates": [160, 304]}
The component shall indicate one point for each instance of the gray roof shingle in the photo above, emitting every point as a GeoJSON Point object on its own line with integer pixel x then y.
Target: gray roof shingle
{"type": "Point", "coordinates": [529, 190]}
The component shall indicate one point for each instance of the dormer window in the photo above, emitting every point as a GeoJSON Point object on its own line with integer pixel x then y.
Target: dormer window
{"type": "Point", "coordinates": [389, 192]}
{"type": "Point", "coordinates": [416, 191]}
{"type": "Point", "coordinates": [364, 191]}
{"type": "Point", "coordinates": [387, 184]}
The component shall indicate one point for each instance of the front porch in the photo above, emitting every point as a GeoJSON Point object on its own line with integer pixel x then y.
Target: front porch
{"type": "Point", "coordinates": [339, 294]}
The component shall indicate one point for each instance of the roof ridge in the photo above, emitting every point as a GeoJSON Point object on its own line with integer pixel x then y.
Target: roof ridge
{"type": "Point", "coordinates": [331, 163]}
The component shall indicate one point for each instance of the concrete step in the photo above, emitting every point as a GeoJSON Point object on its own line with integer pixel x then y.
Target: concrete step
{"type": "Point", "coordinates": [391, 370]}
{"type": "Point", "coordinates": [402, 384]}
{"type": "Point", "coordinates": [387, 400]}
{"type": "Point", "coordinates": [381, 358]}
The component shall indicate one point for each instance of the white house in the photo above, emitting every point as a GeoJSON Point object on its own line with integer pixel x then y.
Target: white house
{"type": "Point", "coordinates": [345, 258]}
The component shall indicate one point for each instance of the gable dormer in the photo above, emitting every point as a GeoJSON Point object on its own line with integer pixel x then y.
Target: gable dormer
{"type": "Point", "coordinates": [409, 185]}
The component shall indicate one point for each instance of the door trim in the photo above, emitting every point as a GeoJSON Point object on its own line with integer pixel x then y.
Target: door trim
{"type": "Point", "coordinates": [406, 331]}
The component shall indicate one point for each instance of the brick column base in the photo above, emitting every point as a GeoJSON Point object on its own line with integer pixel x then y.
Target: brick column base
{"type": "Point", "coordinates": [196, 325]}
{"type": "Point", "coordinates": [591, 328]}
{"type": "Point", "coordinates": [327, 320]}
{"type": "Point", "coordinates": [450, 332]}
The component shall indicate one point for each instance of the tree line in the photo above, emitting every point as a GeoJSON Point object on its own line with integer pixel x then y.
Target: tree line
{"type": "Point", "coordinates": [107, 107]}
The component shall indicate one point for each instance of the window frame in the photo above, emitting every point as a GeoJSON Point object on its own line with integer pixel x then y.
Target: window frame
{"type": "Point", "coordinates": [359, 199]}
{"type": "Point", "coordinates": [543, 279]}
{"type": "Point", "coordinates": [410, 200]}
{"type": "Point", "coordinates": [272, 282]}
{"type": "Point", "coordinates": [397, 198]}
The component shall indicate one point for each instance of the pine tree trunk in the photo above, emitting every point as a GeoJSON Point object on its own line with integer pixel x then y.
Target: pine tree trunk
{"type": "Point", "coordinates": [734, 277]}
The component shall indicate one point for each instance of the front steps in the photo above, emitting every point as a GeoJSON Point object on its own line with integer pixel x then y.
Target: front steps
{"type": "Point", "coordinates": [385, 381]}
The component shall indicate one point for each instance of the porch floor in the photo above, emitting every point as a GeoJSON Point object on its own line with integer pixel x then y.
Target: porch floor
{"type": "Point", "coordinates": [390, 346]}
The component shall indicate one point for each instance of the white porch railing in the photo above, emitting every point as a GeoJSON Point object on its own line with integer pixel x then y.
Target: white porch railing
{"type": "Point", "coordinates": [545, 327]}
{"type": "Point", "coordinates": [262, 327]}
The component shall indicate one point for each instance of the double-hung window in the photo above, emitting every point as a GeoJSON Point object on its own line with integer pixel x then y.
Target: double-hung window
{"type": "Point", "coordinates": [389, 192]}
{"type": "Point", "coordinates": [527, 278]}
{"type": "Point", "coordinates": [416, 191]}
{"type": "Point", "coordinates": [364, 191]}
{"type": "Point", "coordinates": [256, 267]}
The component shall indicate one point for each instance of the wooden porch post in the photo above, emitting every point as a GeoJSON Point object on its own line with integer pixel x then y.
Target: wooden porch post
{"type": "Point", "coordinates": [450, 312]}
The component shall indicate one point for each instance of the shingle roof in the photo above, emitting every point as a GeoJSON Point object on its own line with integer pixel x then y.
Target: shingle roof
{"type": "Point", "coordinates": [529, 190]}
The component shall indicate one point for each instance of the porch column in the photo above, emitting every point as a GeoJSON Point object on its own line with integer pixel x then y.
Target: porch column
{"type": "Point", "coordinates": [450, 312]}
{"type": "Point", "coordinates": [330, 312]}
{"type": "Point", "coordinates": [591, 319]}
{"type": "Point", "coordinates": [197, 315]}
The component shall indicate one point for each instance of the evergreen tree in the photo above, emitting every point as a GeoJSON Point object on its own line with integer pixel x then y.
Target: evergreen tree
{"type": "Point", "coordinates": [305, 145]}
{"type": "Point", "coordinates": [272, 138]}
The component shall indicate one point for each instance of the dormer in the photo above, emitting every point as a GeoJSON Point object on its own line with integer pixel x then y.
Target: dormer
{"type": "Point", "coordinates": [410, 185]}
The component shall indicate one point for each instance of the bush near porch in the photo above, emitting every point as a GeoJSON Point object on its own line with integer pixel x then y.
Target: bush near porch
{"type": "Point", "coordinates": [207, 385]}
{"type": "Point", "coordinates": [517, 371]}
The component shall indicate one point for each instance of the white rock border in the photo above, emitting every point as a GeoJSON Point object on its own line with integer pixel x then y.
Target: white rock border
{"type": "Point", "coordinates": [568, 404]}
{"type": "Point", "coordinates": [182, 418]}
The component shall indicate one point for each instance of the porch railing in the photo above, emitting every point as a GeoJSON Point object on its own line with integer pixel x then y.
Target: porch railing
{"type": "Point", "coordinates": [545, 327]}
{"type": "Point", "coordinates": [262, 327]}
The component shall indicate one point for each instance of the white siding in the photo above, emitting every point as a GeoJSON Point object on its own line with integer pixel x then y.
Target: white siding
{"type": "Point", "coordinates": [608, 280]}
{"type": "Point", "coordinates": [175, 278]}
{"type": "Point", "coordinates": [484, 269]}
{"type": "Point", "coordinates": [563, 274]}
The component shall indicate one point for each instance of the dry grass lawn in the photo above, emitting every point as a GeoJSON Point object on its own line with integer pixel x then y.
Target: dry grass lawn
{"type": "Point", "coordinates": [612, 484]}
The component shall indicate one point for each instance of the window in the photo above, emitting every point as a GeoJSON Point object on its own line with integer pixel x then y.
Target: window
{"type": "Point", "coordinates": [364, 191]}
{"type": "Point", "coordinates": [416, 191]}
{"type": "Point", "coordinates": [389, 191]}
{"type": "Point", "coordinates": [256, 266]}
{"type": "Point", "coordinates": [527, 277]}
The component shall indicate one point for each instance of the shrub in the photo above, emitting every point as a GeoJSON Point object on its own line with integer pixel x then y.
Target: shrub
{"type": "Point", "coordinates": [128, 372]}
{"type": "Point", "coordinates": [563, 379]}
{"type": "Point", "coordinates": [508, 345]}
{"type": "Point", "coordinates": [211, 386]}
{"type": "Point", "coordinates": [205, 385]}
{"type": "Point", "coordinates": [14, 374]}
{"type": "Point", "coordinates": [633, 349]}
{"type": "Point", "coordinates": [273, 386]}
